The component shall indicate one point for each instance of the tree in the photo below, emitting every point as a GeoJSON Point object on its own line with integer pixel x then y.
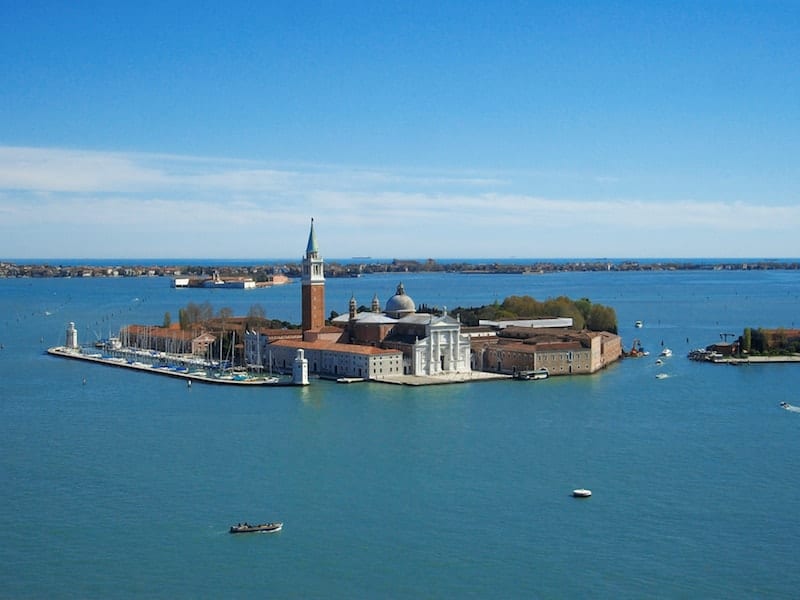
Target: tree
{"type": "Point", "coordinates": [758, 340]}
{"type": "Point", "coordinates": [256, 312]}
{"type": "Point", "coordinates": [167, 319]}
{"type": "Point", "coordinates": [256, 317]}
{"type": "Point", "coordinates": [747, 339]}
{"type": "Point", "coordinates": [779, 339]}
{"type": "Point", "coordinates": [585, 306]}
{"type": "Point", "coordinates": [602, 318]}
{"type": "Point", "coordinates": [564, 307]}
{"type": "Point", "coordinates": [195, 313]}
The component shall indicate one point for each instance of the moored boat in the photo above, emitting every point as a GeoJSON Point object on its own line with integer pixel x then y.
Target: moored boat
{"type": "Point", "coordinates": [262, 528]}
{"type": "Point", "coordinates": [533, 375]}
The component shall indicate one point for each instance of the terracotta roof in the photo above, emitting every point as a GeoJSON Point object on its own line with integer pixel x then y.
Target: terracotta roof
{"type": "Point", "coordinates": [158, 332]}
{"type": "Point", "coordinates": [333, 347]}
{"type": "Point", "coordinates": [278, 332]}
{"type": "Point", "coordinates": [531, 348]}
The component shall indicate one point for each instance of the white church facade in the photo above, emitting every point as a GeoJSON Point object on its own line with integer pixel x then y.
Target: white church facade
{"type": "Point", "coordinates": [431, 345]}
{"type": "Point", "coordinates": [443, 349]}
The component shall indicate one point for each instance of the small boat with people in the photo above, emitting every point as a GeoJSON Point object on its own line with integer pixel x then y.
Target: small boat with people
{"type": "Point", "coordinates": [261, 528]}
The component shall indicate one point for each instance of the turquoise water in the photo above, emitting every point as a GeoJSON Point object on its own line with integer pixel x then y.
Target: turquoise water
{"type": "Point", "coordinates": [124, 487]}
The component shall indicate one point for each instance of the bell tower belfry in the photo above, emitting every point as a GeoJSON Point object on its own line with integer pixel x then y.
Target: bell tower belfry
{"type": "Point", "coordinates": [313, 286]}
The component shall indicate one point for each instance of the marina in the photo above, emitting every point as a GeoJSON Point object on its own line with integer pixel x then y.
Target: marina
{"type": "Point", "coordinates": [168, 366]}
{"type": "Point", "coordinates": [191, 367]}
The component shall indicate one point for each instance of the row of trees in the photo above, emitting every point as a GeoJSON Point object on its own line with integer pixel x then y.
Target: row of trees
{"type": "Point", "coordinates": [770, 341]}
{"type": "Point", "coordinates": [196, 314]}
{"type": "Point", "coordinates": [584, 314]}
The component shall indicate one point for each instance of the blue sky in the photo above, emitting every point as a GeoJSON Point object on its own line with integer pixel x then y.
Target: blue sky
{"type": "Point", "coordinates": [406, 129]}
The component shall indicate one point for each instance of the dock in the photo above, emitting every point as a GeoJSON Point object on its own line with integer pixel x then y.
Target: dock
{"type": "Point", "coordinates": [442, 379]}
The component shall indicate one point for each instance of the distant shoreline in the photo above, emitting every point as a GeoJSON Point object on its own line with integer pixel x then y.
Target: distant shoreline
{"type": "Point", "coordinates": [348, 268]}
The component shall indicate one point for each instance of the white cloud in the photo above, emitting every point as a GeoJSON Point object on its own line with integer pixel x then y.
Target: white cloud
{"type": "Point", "coordinates": [179, 205]}
{"type": "Point", "coordinates": [59, 170]}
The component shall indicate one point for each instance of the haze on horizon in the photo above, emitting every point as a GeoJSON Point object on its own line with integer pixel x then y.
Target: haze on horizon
{"type": "Point", "coordinates": [529, 130]}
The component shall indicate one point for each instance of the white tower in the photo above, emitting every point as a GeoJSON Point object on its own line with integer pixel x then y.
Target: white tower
{"type": "Point", "coordinates": [72, 337]}
{"type": "Point", "coordinates": [300, 368]}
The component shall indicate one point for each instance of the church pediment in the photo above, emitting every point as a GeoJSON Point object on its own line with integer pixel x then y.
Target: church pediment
{"type": "Point", "coordinates": [444, 322]}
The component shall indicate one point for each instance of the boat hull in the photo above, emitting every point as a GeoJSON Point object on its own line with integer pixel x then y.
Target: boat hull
{"type": "Point", "coordinates": [264, 528]}
{"type": "Point", "coordinates": [532, 375]}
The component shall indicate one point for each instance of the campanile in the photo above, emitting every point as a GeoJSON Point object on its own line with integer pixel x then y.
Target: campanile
{"type": "Point", "coordinates": [313, 288]}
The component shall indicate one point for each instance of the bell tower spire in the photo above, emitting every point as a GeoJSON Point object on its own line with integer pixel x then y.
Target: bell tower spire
{"type": "Point", "coordinates": [313, 285]}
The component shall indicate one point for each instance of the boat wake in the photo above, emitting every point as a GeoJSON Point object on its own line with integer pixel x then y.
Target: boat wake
{"type": "Point", "coordinates": [789, 407]}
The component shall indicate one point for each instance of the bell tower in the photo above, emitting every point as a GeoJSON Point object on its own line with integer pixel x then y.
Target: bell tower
{"type": "Point", "coordinates": [313, 286]}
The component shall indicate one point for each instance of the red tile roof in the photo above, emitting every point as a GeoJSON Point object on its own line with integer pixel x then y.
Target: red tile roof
{"type": "Point", "coordinates": [333, 347]}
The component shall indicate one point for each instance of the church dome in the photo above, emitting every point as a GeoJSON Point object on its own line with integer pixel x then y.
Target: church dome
{"type": "Point", "coordinates": [400, 304]}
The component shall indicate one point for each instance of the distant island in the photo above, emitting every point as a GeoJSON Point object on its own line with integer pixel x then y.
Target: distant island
{"type": "Point", "coordinates": [265, 272]}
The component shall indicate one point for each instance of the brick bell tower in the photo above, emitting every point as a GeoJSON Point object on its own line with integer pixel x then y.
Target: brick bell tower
{"type": "Point", "coordinates": [313, 290]}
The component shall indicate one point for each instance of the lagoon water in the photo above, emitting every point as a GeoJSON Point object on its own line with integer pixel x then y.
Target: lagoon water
{"type": "Point", "coordinates": [125, 486]}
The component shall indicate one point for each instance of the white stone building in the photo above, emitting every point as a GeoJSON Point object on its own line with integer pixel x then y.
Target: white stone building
{"type": "Point", "coordinates": [431, 345]}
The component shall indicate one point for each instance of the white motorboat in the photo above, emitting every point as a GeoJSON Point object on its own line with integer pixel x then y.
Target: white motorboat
{"type": "Point", "coordinates": [666, 352]}
{"type": "Point", "coordinates": [532, 375]}
{"type": "Point", "coordinates": [581, 493]}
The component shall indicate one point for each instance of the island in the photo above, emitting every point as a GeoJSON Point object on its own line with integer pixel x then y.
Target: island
{"type": "Point", "coordinates": [753, 346]}
{"type": "Point", "coordinates": [266, 272]}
